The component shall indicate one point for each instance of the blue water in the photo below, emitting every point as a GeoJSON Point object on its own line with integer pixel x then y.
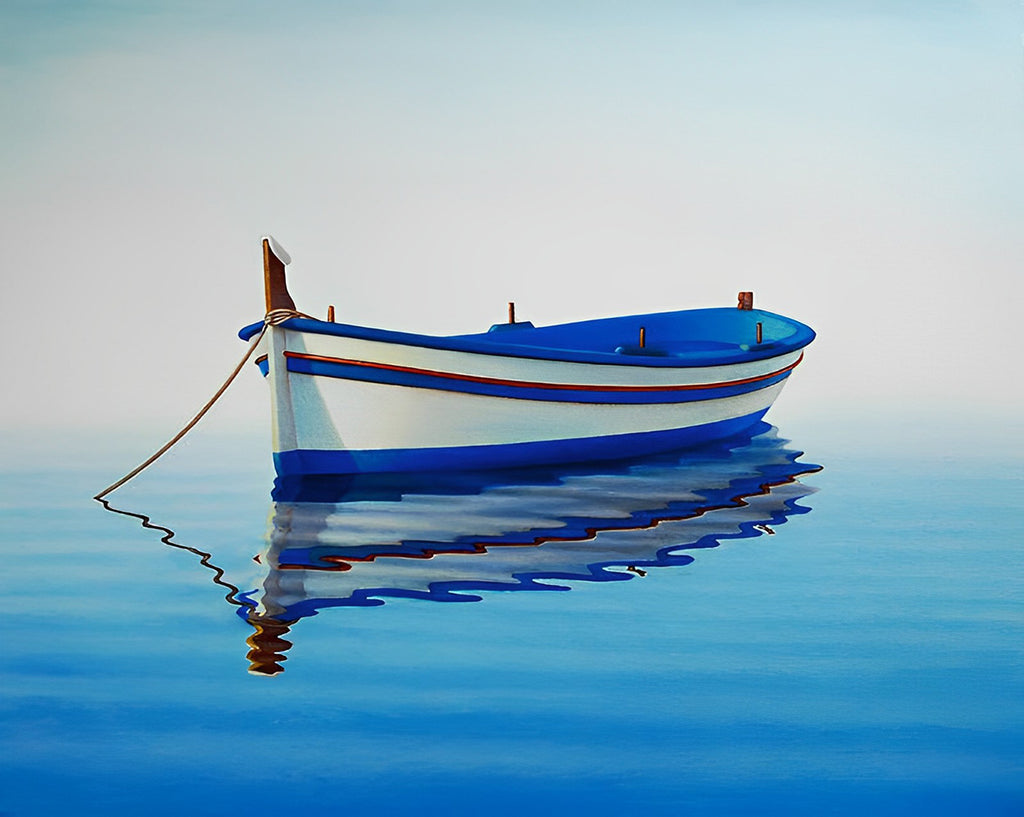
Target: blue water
{"type": "Point", "coordinates": [727, 632]}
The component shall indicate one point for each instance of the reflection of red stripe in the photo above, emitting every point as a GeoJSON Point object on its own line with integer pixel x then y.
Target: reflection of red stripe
{"type": "Point", "coordinates": [494, 381]}
{"type": "Point", "coordinates": [337, 562]}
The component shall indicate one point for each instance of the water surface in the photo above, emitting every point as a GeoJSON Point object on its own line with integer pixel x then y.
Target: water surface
{"type": "Point", "coordinates": [726, 631]}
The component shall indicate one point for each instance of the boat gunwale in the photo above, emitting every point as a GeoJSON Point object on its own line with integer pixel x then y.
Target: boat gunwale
{"type": "Point", "coordinates": [482, 343]}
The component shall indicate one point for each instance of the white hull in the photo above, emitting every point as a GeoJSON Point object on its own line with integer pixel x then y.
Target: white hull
{"type": "Point", "coordinates": [325, 413]}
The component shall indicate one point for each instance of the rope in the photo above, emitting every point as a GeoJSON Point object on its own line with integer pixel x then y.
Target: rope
{"type": "Point", "coordinates": [272, 318]}
{"type": "Point", "coordinates": [277, 316]}
{"type": "Point", "coordinates": [233, 596]}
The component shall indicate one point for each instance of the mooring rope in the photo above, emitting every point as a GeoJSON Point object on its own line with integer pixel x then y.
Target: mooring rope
{"type": "Point", "coordinates": [233, 596]}
{"type": "Point", "coordinates": [272, 318]}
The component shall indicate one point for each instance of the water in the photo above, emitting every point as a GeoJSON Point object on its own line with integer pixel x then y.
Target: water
{"type": "Point", "coordinates": [733, 633]}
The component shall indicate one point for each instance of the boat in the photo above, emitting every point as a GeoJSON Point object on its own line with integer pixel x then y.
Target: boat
{"type": "Point", "coordinates": [348, 399]}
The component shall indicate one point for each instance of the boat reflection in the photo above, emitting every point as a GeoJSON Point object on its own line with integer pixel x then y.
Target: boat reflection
{"type": "Point", "coordinates": [357, 541]}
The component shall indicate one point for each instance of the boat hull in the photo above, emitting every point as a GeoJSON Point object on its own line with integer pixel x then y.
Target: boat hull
{"type": "Point", "coordinates": [506, 455]}
{"type": "Point", "coordinates": [356, 404]}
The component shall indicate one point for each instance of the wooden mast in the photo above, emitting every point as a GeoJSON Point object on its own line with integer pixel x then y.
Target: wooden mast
{"type": "Point", "coordinates": [274, 283]}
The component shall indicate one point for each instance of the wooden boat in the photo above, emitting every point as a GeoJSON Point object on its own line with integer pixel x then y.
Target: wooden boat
{"type": "Point", "coordinates": [351, 399]}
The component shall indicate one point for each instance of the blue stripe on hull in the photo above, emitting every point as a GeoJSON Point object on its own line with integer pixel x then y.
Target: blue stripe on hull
{"type": "Point", "coordinates": [526, 392]}
{"type": "Point", "coordinates": [482, 457]}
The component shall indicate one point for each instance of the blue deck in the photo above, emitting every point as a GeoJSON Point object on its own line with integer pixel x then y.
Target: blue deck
{"type": "Point", "coordinates": [695, 337]}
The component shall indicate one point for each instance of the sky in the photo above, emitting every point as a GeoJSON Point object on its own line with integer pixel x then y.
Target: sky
{"type": "Point", "coordinates": [859, 165]}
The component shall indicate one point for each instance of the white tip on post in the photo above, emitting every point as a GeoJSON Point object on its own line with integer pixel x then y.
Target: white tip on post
{"type": "Point", "coordinates": [278, 250]}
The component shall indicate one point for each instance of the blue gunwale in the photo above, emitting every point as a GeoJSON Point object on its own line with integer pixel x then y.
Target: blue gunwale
{"type": "Point", "coordinates": [694, 337]}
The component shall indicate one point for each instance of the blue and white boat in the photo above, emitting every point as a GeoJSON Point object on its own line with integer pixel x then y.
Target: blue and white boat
{"type": "Point", "coordinates": [350, 399]}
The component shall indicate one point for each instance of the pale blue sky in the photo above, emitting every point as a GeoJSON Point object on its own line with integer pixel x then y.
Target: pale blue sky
{"type": "Point", "coordinates": [859, 165]}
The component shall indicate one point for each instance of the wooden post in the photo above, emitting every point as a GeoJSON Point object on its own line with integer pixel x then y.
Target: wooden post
{"type": "Point", "coordinates": [760, 331]}
{"type": "Point", "coordinates": [746, 300]}
{"type": "Point", "coordinates": [274, 284]}
{"type": "Point", "coordinates": [330, 313]}
{"type": "Point", "coordinates": [643, 337]}
{"type": "Point", "coordinates": [511, 311]}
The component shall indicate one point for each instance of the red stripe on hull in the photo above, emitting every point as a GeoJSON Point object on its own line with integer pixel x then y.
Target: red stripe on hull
{"type": "Point", "coordinates": [494, 381]}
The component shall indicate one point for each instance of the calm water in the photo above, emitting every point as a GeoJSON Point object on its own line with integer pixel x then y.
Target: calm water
{"type": "Point", "coordinates": [731, 631]}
